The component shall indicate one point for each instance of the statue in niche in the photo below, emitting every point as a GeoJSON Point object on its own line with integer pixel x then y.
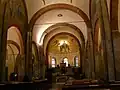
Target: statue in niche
{"type": "Point", "coordinates": [64, 47]}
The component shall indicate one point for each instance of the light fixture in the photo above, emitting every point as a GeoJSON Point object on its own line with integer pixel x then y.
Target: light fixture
{"type": "Point", "coordinates": [59, 15]}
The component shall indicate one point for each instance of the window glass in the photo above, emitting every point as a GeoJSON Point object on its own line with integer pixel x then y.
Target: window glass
{"type": "Point", "coordinates": [66, 61]}
{"type": "Point", "coordinates": [53, 62]}
{"type": "Point", "coordinates": [76, 61]}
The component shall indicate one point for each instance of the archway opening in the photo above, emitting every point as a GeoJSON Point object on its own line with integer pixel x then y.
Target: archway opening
{"type": "Point", "coordinates": [61, 46]}
{"type": "Point", "coordinates": [14, 55]}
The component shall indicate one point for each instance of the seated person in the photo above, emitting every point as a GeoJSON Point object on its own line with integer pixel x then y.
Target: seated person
{"type": "Point", "coordinates": [26, 79]}
{"type": "Point", "coordinates": [63, 71]}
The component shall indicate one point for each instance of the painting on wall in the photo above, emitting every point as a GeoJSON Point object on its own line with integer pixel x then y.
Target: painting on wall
{"type": "Point", "coordinates": [15, 9]}
{"type": "Point", "coordinates": [64, 45]}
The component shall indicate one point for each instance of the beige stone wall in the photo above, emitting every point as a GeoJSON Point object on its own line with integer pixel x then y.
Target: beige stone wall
{"type": "Point", "coordinates": [116, 44]}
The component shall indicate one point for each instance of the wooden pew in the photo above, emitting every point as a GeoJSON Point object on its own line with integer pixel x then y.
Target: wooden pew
{"type": "Point", "coordinates": [36, 85]}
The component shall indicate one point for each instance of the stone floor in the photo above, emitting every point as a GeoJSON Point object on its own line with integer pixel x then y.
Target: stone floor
{"type": "Point", "coordinates": [57, 86]}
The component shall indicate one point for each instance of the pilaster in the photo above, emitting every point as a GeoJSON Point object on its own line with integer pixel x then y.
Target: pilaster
{"type": "Point", "coordinates": [28, 63]}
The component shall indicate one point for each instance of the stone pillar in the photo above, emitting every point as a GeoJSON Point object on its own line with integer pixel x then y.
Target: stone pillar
{"type": "Point", "coordinates": [3, 36]}
{"type": "Point", "coordinates": [107, 41]}
{"type": "Point", "coordinates": [91, 54]}
{"type": "Point", "coordinates": [82, 63]}
{"type": "Point", "coordinates": [28, 64]}
{"type": "Point", "coordinates": [3, 57]}
{"type": "Point", "coordinates": [42, 61]}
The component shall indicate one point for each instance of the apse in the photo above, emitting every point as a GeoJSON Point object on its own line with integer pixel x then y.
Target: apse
{"type": "Point", "coordinates": [63, 48]}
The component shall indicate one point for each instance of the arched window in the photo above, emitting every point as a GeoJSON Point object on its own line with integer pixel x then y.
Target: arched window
{"type": "Point", "coordinates": [53, 62]}
{"type": "Point", "coordinates": [76, 61]}
{"type": "Point", "coordinates": [66, 61]}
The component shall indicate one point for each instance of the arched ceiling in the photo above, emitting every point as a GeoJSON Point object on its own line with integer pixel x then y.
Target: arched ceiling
{"type": "Point", "coordinates": [33, 7]}
{"type": "Point", "coordinates": [14, 35]}
{"type": "Point", "coordinates": [52, 17]}
{"type": "Point", "coordinates": [12, 50]}
{"type": "Point", "coordinates": [63, 29]}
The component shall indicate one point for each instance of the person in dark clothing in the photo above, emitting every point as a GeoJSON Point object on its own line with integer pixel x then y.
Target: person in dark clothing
{"type": "Point", "coordinates": [58, 70]}
{"type": "Point", "coordinates": [26, 79]}
{"type": "Point", "coordinates": [49, 75]}
{"type": "Point", "coordinates": [13, 76]}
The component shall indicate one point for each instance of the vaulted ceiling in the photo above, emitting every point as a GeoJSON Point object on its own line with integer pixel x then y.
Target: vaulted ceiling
{"type": "Point", "coordinates": [43, 14]}
{"type": "Point", "coordinates": [34, 6]}
{"type": "Point", "coordinates": [51, 16]}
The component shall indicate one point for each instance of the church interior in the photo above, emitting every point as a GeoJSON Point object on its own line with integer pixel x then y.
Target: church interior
{"type": "Point", "coordinates": [60, 42]}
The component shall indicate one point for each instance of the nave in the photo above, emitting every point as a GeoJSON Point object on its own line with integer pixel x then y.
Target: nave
{"type": "Point", "coordinates": [60, 44]}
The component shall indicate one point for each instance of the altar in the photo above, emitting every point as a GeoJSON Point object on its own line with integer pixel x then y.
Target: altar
{"type": "Point", "coordinates": [62, 65]}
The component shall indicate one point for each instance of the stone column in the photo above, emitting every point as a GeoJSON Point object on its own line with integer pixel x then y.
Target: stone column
{"type": "Point", "coordinates": [107, 41]}
{"type": "Point", "coordinates": [91, 54]}
{"type": "Point", "coordinates": [3, 36]}
{"type": "Point", "coordinates": [28, 69]}
{"type": "Point", "coordinates": [83, 53]}
{"type": "Point", "coordinates": [3, 57]}
{"type": "Point", "coordinates": [42, 62]}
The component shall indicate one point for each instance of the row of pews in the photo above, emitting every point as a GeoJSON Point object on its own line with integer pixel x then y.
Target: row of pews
{"type": "Point", "coordinates": [91, 85]}
{"type": "Point", "coordinates": [36, 85]}
{"type": "Point", "coordinates": [75, 85]}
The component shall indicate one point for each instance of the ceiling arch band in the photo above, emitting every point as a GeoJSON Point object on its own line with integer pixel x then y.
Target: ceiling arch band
{"type": "Point", "coordinates": [48, 37]}
{"type": "Point", "coordinates": [54, 27]}
{"type": "Point", "coordinates": [59, 6]}
{"type": "Point", "coordinates": [14, 43]}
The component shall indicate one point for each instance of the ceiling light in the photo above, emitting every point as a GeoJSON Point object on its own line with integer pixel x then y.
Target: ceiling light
{"type": "Point", "coordinates": [59, 15]}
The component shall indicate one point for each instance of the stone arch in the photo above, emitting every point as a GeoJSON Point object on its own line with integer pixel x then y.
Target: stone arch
{"type": "Point", "coordinates": [14, 43]}
{"type": "Point", "coordinates": [52, 28]}
{"type": "Point", "coordinates": [47, 35]}
{"type": "Point", "coordinates": [59, 6]}
{"type": "Point", "coordinates": [80, 49]}
{"type": "Point", "coordinates": [6, 22]}
{"type": "Point", "coordinates": [19, 51]}
{"type": "Point", "coordinates": [19, 33]}
{"type": "Point", "coordinates": [18, 45]}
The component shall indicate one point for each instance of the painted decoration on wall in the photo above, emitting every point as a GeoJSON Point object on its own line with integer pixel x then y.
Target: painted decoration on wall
{"type": "Point", "coordinates": [63, 43]}
{"type": "Point", "coordinates": [15, 10]}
